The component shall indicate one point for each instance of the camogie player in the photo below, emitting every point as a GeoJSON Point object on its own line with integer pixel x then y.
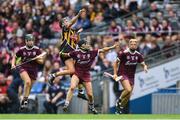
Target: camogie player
{"type": "Point", "coordinates": [27, 71]}
{"type": "Point", "coordinates": [84, 58]}
{"type": "Point", "coordinates": [69, 42]}
{"type": "Point", "coordinates": [125, 66]}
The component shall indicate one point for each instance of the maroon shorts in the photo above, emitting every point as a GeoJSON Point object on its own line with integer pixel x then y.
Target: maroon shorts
{"type": "Point", "coordinates": [32, 73]}
{"type": "Point", "coordinates": [130, 79]}
{"type": "Point", "coordinates": [83, 76]}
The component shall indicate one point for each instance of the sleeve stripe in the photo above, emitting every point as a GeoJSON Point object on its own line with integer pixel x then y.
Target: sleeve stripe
{"type": "Point", "coordinates": [98, 52]}
{"type": "Point", "coordinates": [118, 59]}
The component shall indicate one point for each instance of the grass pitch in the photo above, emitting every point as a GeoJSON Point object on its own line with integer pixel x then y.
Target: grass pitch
{"type": "Point", "coordinates": [87, 117]}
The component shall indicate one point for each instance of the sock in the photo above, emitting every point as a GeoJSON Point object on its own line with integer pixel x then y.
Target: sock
{"type": "Point", "coordinates": [91, 105]}
{"type": "Point", "coordinates": [66, 103]}
{"type": "Point", "coordinates": [25, 98]}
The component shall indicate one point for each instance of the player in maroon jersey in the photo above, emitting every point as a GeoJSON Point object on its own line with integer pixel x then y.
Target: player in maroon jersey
{"type": "Point", "coordinates": [84, 58]}
{"type": "Point", "coordinates": [28, 71]}
{"type": "Point", "coordinates": [127, 61]}
{"type": "Point", "coordinates": [69, 40]}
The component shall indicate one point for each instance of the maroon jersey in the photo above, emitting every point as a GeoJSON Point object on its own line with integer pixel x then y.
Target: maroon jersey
{"type": "Point", "coordinates": [26, 54]}
{"type": "Point", "coordinates": [128, 62]}
{"type": "Point", "coordinates": [84, 60]}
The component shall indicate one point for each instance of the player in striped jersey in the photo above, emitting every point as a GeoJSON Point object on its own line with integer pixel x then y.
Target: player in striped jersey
{"type": "Point", "coordinates": [69, 40]}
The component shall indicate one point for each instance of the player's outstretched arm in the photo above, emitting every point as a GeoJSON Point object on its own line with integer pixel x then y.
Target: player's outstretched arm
{"type": "Point", "coordinates": [74, 19]}
{"type": "Point", "coordinates": [109, 48]}
{"type": "Point", "coordinates": [144, 66]}
{"type": "Point", "coordinates": [41, 59]}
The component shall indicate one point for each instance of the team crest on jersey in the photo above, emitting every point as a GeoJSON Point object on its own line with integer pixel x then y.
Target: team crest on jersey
{"type": "Point", "coordinates": [34, 53]}
{"type": "Point", "coordinates": [24, 53]}
{"type": "Point", "coordinates": [84, 56]}
{"type": "Point", "coordinates": [132, 57]}
{"type": "Point", "coordinates": [136, 57]}
{"type": "Point", "coordinates": [29, 53]}
{"type": "Point", "coordinates": [78, 56]}
{"type": "Point", "coordinates": [88, 55]}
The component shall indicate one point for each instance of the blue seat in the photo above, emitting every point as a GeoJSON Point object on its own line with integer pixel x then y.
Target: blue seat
{"type": "Point", "coordinates": [37, 87]}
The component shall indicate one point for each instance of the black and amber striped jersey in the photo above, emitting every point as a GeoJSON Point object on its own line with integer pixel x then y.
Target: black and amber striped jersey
{"type": "Point", "coordinates": [69, 38]}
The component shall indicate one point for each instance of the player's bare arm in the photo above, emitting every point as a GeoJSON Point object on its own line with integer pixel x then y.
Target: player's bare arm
{"type": "Point", "coordinates": [144, 67]}
{"type": "Point", "coordinates": [108, 48]}
{"type": "Point", "coordinates": [115, 68]}
{"type": "Point", "coordinates": [75, 18]}
{"type": "Point", "coordinates": [41, 59]}
{"type": "Point", "coordinates": [13, 64]}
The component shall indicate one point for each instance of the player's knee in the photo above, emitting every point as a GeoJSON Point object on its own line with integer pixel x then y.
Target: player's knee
{"type": "Point", "coordinates": [28, 83]}
{"type": "Point", "coordinates": [128, 90]}
{"type": "Point", "coordinates": [72, 88]}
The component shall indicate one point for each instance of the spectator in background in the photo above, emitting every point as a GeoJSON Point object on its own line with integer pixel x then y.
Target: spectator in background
{"type": "Point", "coordinates": [14, 92]}
{"type": "Point", "coordinates": [47, 69]}
{"type": "Point", "coordinates": [3, 94]}
{"type": "Point", "coordinates": [110, 11]}
{"type": "Point", "coordinates": [99, 17]}
{"type": "Point", "coordinates": [154, 46]}
{"type": "Point", "coordinates": [145, 45]}
{"type": "Point", "coordinates": [160, 16]}
{"type": "Point", "coordinates": [98, 20]}
{"type": "Point", "coordinates": [168, 7]}
{"type": "Point", "coordinates": [55, 27]}
{"type": "Point", "coordinates": [55, 95]}
{"type": "Point", "coordinates": [129, 27]}
{"type": "Point", "coordinates": [3, 42]}
{"type": "Point", "coordinates": [70, 13]}
{"type": "Point", "coordinates": [55, 55]}
{"type": "Point", "coordinates": [133, 5]}
{"type": "Point", "coordinates": [83, 22]}
{"type": "Point", "coordinates": [105, 65]}
{"type": "Point", "coordinates": [168, 44]}
{"type": "Point", "coordinates": [166, 27]}
{"type": "Point", "coordinates": [153, 10]}
{"type": "Point", "coordinates": [172, 15]}
{"type": "Point", "coordinates": [44, 29]}
{"type": "Point", "coordinates": [142, 26]}
{"type": "Point", "coordinates": [4, 62]}
{"type": "Point", "coordinates": [91, 12]}
{"type": "Point", "coordinates": [155, 26]}
{"type": "Point", "coordinates": [114, 29]}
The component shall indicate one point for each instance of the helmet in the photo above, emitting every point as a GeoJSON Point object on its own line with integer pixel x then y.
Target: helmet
{"type": "Point", "coordinates": [29, 37]}
{"type": "Point", "coordinates": [81, 42]}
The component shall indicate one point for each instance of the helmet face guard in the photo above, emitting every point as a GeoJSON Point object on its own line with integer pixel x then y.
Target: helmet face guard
{"type": "Point", "coordinates": [62, 22]}
{"type": "Point", "coordinates": [84, 48]}
{"type": "Point", "coordinates": [81, 42]}
{"type": "Point", "coordinates": [29, 37]}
